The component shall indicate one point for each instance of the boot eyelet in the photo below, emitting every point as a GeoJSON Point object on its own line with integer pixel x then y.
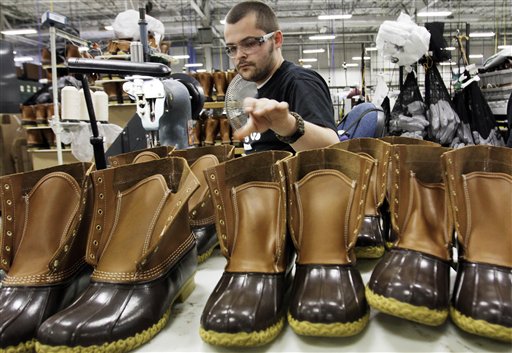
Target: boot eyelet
{"type": "Point", "coordinates": [56, 264]}
{"type": "Point", "coordinates": [100, 211]}
{"type": "Point", "coordinates": [9, 233]}
{"type": "Point", "coordinates": [98, 227]}
{"type": "Point", "coordinates": [6, 186]}
{"type": "Point", "coordinates": [4, 261]}
{"type": "Point", "coordinates": [95, 243]}
{"type": "Point", "coordinates": [100, 180]}
{"type": "Point", "coordinates": [66, 248]}
{"type": "Point", "coordinates": [92, 256]}
{"type": "Point", "coordinates": [219, 207]}
{"type": "Point", "coordinates": [101, 196]}
{"type": "Point", "coordinates": [9, 202]}
{"type": "Point", "coordinates": [212, 176]}
{"type": "Point", "coordinates": [7, 248]}
{"type": "Point", "coordinates": [216, 192]}
{"type": "Point", "coordinates": [9, 217]}
{"type": "Point", "coordinates": [221, 222]}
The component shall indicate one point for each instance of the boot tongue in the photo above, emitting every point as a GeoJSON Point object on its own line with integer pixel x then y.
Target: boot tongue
{"type": "Point", "coordinates": [50, 206]}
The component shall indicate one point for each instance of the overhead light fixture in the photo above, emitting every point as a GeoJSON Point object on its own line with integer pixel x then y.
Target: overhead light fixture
{"type": "Point", "coordinates": [181, 56]}
{"type": "Point", "coordinates": [322, 37]}
{"type": "Point", "coordinates": [371, 49]}
{"type": "Point", "coordinates": [481, 34]}
{"type": "Point", "coordinates": [201, 70]}
{"type": "Point", "coordinates": [17, 32]}
{"type": "Point", "coordinates": [222, 22]}
{"type": "Point", "coordinates": [447, 63]}
{"type": "Point", "coordinates": [449, 48]}
{"type": "Point", "coordinates": [427, 13]}
{"type": "Point", "coordinates": [504, 46]}
{"type": "Point", "coordinates": [359, 58]}
{"type": "Point", "coordinates": [476, 56]}
{"type": "Point", "coordinates": [308, 60]}
{"type": "Point", "coordinates": [351, 65]}
{"type": "Point", "coordinates": [335, 17]}
{"type": "Point", "coordinates": [313, 51]}
{"type": "Point", "coordinates": [194, 65]}
{"type": "Point", "coordinates": [307, 66]}
{"type": "Point", "coordinates": [109, 28]}
{"type": "Point", "coordinates": [22, 59]}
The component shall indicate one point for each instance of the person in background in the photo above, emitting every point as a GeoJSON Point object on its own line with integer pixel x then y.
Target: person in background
{"type": "Point", "coordinates": [293, 110]}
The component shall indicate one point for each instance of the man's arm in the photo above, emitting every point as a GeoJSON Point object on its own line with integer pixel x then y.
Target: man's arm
{"type": "Point", "coordinates": [267, 114]}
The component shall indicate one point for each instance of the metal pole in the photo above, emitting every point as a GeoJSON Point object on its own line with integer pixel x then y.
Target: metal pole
{"type": "Point", "coordinates": [55, 91]}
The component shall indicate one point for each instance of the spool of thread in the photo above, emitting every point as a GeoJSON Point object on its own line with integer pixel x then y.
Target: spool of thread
{"type": "Point", "coordinates": [136, 52]}
{"type": "Point", "coordinates": [83, 113]}
{"type": "Point", "coordinates": [100, 103]}
{"type": "Point", "coordinates": [70, 100]}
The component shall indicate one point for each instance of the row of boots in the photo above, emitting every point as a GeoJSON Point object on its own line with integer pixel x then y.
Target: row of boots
{"type": "Point", "coordinates": [210, 128]}
{"type": "Point", "coordinates": [37, 114]}
{"type": "Point", "coordinates": [272, 212]}
{"type": "Point", "coordinates": [218, 80]}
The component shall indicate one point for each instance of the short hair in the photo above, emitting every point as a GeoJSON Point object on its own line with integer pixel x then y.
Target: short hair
{"type": "Point", "coordinates": [266, 19]}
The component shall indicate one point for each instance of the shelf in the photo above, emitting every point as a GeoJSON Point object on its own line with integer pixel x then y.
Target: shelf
{"type": "Point", "coordinates": [213, 105]}
{"type": "Point", "coordinates": [114, 57]}
{"type": "Point", "coordinates": [47, 150]}
{"type": "Point", "coordinates": [38, 127]}
{"type": "Point", "coordinates": [101, 82]}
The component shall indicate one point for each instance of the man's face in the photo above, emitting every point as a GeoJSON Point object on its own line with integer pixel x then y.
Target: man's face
{"type": "Point", "coordinates": [255, 64]}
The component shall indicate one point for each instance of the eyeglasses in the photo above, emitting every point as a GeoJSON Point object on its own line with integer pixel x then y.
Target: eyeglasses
{"type": "Point", "coordinates": [247, 45]}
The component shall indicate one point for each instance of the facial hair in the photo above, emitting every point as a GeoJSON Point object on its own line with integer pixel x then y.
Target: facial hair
{"type": "Point", "coordinates": [261, 71]}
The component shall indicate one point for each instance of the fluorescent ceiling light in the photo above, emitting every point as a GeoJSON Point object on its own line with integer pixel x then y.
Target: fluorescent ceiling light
{"type": "Point", "coordinates": [312, 51]}
{"type": "Point", "coordinates": [109, 28]}
{"type": "Point", "coordinates": [308, 60]}
{"type": "Point", "coordinates": [351, 65]}
{"type": "Point", "coordinates": [322, 37]}
{"type": "Point", "coordinates": [181, 56]}
{"type": "Point", "coordinates": [194, 65]}
{"type": "Point", "coordinates": [504, 46]}
{"type": "Point", "coordinates": [222, 22]}
{"type": "Point", "coordinates": [481, 34]}
{"type": "Point", "coordinates": [434, 13]}
{"type": "Point", "coordinates": [335, 17]}
{"type": "Point", "coordinates": [371, 49]}
{"type": "Point", "coordinates": [447, 63]}
{"type": "Point", "coordinates": [201, 70]}
{"type": "Point", "coordinates": [449, 48]}
{"type": "Point", "coordinates": [476, 56]}
{"type": "Point", "coordinates": [17, 32]}
{"type": "Point", "coordinates": [21, 59]}
{"type": "Point", "coordinates": [307, 66]}
{"type": "Point", "coordinates": [359, 58]}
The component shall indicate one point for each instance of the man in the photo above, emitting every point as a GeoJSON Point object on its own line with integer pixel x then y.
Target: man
{"type": "Point", "coordinates": [294, 110]}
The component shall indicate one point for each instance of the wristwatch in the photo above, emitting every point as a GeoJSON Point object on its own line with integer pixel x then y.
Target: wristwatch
{"type": "Point", "coordinates": [299, 124]}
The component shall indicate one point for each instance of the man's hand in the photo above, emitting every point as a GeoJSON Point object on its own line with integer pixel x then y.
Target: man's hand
{"type": "Point", "coordinates": [266, 114]}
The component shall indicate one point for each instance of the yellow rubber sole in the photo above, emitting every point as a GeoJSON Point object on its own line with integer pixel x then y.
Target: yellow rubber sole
{"type": "Point", "coordinates": [204, 256]}
{"type": "Point", "coordinates": [369, 252]}
{"type": "Point", "coordinates": [306, 328]}
{"type": "Point", "coordinates": [481, 327]}
{"type": "Point", "coordinates": [25, 347]}
{"type": "Point", "coordinates": [242, 339]}
{"type": "Point", "coordinates": [127, 344]}
{"type": "Point", "coordinates": [391, 306]}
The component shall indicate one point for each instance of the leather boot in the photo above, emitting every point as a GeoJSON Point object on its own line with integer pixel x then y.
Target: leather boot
{"type": "Point", "coordinates": [110, 89]}
{"type": "Point", "coordinates": [225, 129]}
{"type": "Point", "coordinates": [49, 137]}
{"type": "Point", "coordinates": [326, 194]}
{"type": "Point", "coordinates": [206, 81]}
{"type": "Point", "coordinates": [211, 130]}
{"type": "Point", "coordinates": [144, 258]}
{"type": "Point", "coordinates": [247, 307]}
{"type": "Point", "coordinates": [201, 211]}
{"type": "Point", "coordinates": [28, 115]}
{"type": "Point", "coordinates": [35, 139]}
{"type": "Point", "coordinates": [197, 133]}
{"type": "Point", "coordinates": [46, 56]}
{"type": "Point", "coordinates": [479, 180]}
{"type": "Point", "coordinates": [412, 280]}
{"type": "Point", "coordinates": [230, 74]}
{"type": "Point", "coordinates": [221, 84]}
{"type": "Point", "coordinates": [370, 241]}
{"type": "Point", "coordinates": [50, 111]}
{"type": "Point", "coordinates": [45, 216]}
{"type": "Point", "coordinates": [140, 156]}
{"type": "Point", "coordinates": [72, 51]}
{"type": "Point", "coordinates": [41, 114]}
{"type": "Point", "coordinates": [389, 235]}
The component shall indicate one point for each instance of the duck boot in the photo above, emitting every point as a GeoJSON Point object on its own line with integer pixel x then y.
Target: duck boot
{"type": "Point", "coordinates": [46, 216]}
{"type": "Point", "coordinates": [326, 195]}
{"type": "Point", "coordinates": [41, 114]}
{"type": "Point", "coordinates": [370, 240]}
{"type": "Point", "coordinates": [211, 130]}
{"type": "Point", "coordinates": [479, 180]}
{"type": "Point", "coordinates": [35, 139]}
{"type": "Point", "coordinates": [196, 135]}
{"type": "Point", "coordinates": [140, 156]}
{"type": "Point", "coordinates": [201, 211]}
{"type": "Point", "coordinates": [28, 115]}
{"type": "Point", "coordinates": [224, 129]}
{"type": "Point", "coordinates": [221, 84]}
{"type": "Point", "coordinates": [247, 307]}
{"type": "Point", "coordinates": [206, 81]}
{"type": "Point", "coordinates": [144, 258]}
{"type": "Point", "coordinates": [389, 234]}
{"type": "Point", "coordinates": [412, 280]}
